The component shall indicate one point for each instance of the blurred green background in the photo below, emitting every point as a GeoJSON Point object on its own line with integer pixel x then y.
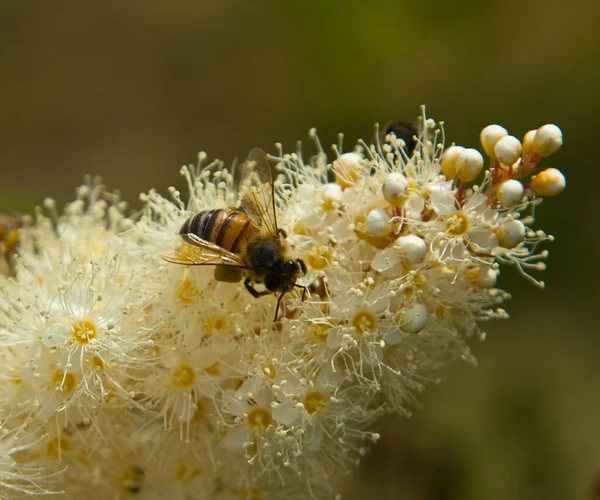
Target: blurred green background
{"type": "Point", "coordinates": [133, 90]}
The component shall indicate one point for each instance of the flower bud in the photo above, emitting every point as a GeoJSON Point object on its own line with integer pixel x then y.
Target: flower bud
{"type": "Point", "coordinates": [510, 233]}
{"type": "Point", "coordinates": [528, 141]}
{"type": "Point", "coordinates": [508, 150]}
{"type": "Point", "coordinates": [347, 169]}
{"type": "Point", "coordinates": [412, 248]}
{"type": "Point", "coordinates": [414, 318]}
{"type": "Point", "coordinates": [548, 182]}
{"type": "Point", "coordinates": [395, 188]}
{"type": "Point", "coordinates": [449, 161]}
{"type": "Point", "coordinates": [379, 222]}
{"type": "Point", "coordinates": [510, 193]}
{"type": "Point", "coordinates": [482, 277]}
{"type": "Point", "coordinates": [490, 136]}
{"type": "Point", "coordinates": [548, 140]}
{"type": "Point", "coordinates": [469, 164]}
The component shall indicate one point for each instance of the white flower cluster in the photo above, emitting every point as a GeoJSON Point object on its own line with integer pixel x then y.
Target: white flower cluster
{"type": "Point", "coordinates": [123, 375]}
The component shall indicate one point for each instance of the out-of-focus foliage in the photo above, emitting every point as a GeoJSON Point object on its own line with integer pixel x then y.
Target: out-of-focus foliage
{"type": "Point", "coordinates": [133, 90]}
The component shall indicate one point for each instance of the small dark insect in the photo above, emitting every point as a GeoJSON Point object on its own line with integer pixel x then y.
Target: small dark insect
{"type": "Point", "coordinates": [243, 241]}
{"type": "Point", "coordinates": [402, 130]}
{"type": "Point", "coordinates": [132, 479]}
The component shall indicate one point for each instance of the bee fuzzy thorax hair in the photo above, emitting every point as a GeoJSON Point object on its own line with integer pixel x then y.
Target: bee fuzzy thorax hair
{"type": "Point", "coordinates": [126, 374]}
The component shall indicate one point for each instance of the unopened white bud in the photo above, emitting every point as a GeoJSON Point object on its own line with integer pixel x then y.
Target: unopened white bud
{"type": "Point", "coordinates": [482, 277]}
{"type": "Point", "coordinates": [412, 248]}
{"type": "Point", "coordinates": [469, 164]}
{"type": "Point", "coordinates": [510, 233]}
{"type": "Point", "coordinates": [508, 150]}
{"type": "Point", "coordinates": [490, 136]}
{"type": "Point", "coordinates": [379, 222]}
{"type": "Point", "coordinates": [395, 188]}
{"type": "Point", "coordinates": [528, 140]}
{"type": "Point", "coordinates": [449, 161]}
{"type": "Point", "coordinates": [548, 140]}
{"type": "Point", "coordinates": [510, 192]}
{"type": "Point", "coordinates": [347, 169]}
{"type": "Point", "coordinates": [414, 318]}
{"type": "Point", "coordinates": [549, 182]}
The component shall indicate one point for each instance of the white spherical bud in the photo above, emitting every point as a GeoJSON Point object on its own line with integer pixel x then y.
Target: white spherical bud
{"type": "Point", "coordinates": [508, 149]}
{"type": "Point", "coordinates": [528, 140]}
{"type": "Point", "coordinates": [331, 196]}
{"type": "Point", "coordinates": [510, 192]}
{"type": "Point", "coordinates": [412, 248]}
{"type": "Point", "coordinates": [469, 164]}
{"type": "Point", "coordinates": [395, 189]}
{"type": "Point", "coordinates": [482, 277]}
{"type": "Point", "coordinates": [414, 318]}
{"type": "Point", "coordinates": [548, 140]}
{"type": "Point", "coordinates": [490, 135]}
{"type": "Point", "coordinates": [347, 169]}
{"type": "Point", "coordinates": [379, 222]}
{"type": "Point", "coordinates": [449, 161]}
{"type": "Point", "coordinates": [549, 182]}
{"type": "Point", "coordinates": [510, 233]}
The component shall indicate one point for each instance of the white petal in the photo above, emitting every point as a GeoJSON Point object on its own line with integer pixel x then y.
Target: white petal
{"type": "Point", "coordinates": [287, 413]}
{"type": "Point", "coordinates": [56, 335]}
{"type": "Point", "coordinates": [484, 238]}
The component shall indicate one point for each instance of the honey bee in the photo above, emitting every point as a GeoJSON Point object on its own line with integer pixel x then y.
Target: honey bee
{"type": "Point", "coordinates": [9, 240]}
{"type": "Point", "coordinates": [245, 240]}
{"type": "Point", "coordinates": [402, 130]}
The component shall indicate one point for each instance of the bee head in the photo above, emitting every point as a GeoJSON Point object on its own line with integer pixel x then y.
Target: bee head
{"type": "Point", "coordinates": [284, 277]}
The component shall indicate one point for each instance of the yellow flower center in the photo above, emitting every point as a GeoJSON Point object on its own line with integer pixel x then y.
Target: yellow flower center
{"type": "Point", "coordinates": [66, 382]}
{"type": "Point", "coordinates": [458, 224]}
{"type": "Point", "coordinates": [57, 447]}
{"type": "Point", "coordinates": [319, 257]}
{"type": "Point", "coordinates": [184, 377]}
{"type": "Point", "coordinates": [84, 331]}
{"type": "Point", "coordinates": [319, 332]}
{"type": "Point", "coordinates": [315, 402]}
{"type": "Point", "coordinates": [187, 473]}
{"type": "Point", "coordinates": [213, 370]}
{"type": "Point", "coordinates": [364, 321]}
{"type": "Point", "coordinates": [260, 419]}
{"type": "Point", "coordinates": [98, 363]}
{"type": "Point", "coordinates": [187, 292]}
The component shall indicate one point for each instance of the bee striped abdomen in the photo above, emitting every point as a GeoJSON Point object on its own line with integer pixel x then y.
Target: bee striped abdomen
{"type": "Point", "coordinates": [227, 228]}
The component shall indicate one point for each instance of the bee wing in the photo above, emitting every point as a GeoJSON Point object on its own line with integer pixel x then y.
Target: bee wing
{"type": "Point", "coordinates": [198, 252]}
{"type": "Point", "coordinates": [255, 185]}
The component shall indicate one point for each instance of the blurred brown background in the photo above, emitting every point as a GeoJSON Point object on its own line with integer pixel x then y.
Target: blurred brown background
{"type": "Point", "coordinates": [133, 90]}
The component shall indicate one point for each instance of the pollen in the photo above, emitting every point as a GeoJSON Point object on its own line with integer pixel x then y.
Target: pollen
{"type": "Point", "coordinates": [319, 332]}
{"type": "Point", "coordinates": [187, 473]}
{"type": "Point", "coordinates": [187, 292]}
{"type": "Point", "coordinates": [57, 447]}
{"type": "Point", "coordinates": [84, 331]}
{"type": "Point", "coordinates": [458, 224]}
{"type": "Point", "coordinates": [260, 418]}
{"type": "Point", "coordinates": [319, 257]}
{"type": "Point", "coordinates": [98, 363]}
{"type": "Point", "coordinates": [216, 324]}
{"type": "Point", "coordinates": [244, 494]}
{"type": "Point", "coordinates": [364, 321]}
{"type": "Point", "coordinates": [315, 402]}
{"type": "Point", "coordinates": [65, 382]}
{"type": "Point", "coordinates": [213, 370]}
{"type": "Point", "coordinates": [131, 480]}
{"type": "Point", "coordinates": [184, 377]}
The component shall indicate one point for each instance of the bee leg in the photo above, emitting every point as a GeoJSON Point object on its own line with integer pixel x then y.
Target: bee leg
{"type": "Point", "coordinates": [277, 307]}
{"type": "Point", "coordinates": [304, 290]}
{"type": "Point", "coordinates": [253, 291]}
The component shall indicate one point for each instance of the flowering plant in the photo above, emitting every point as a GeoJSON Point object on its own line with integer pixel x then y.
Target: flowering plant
{"type": "Point", "coordinates": [125, 375]}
